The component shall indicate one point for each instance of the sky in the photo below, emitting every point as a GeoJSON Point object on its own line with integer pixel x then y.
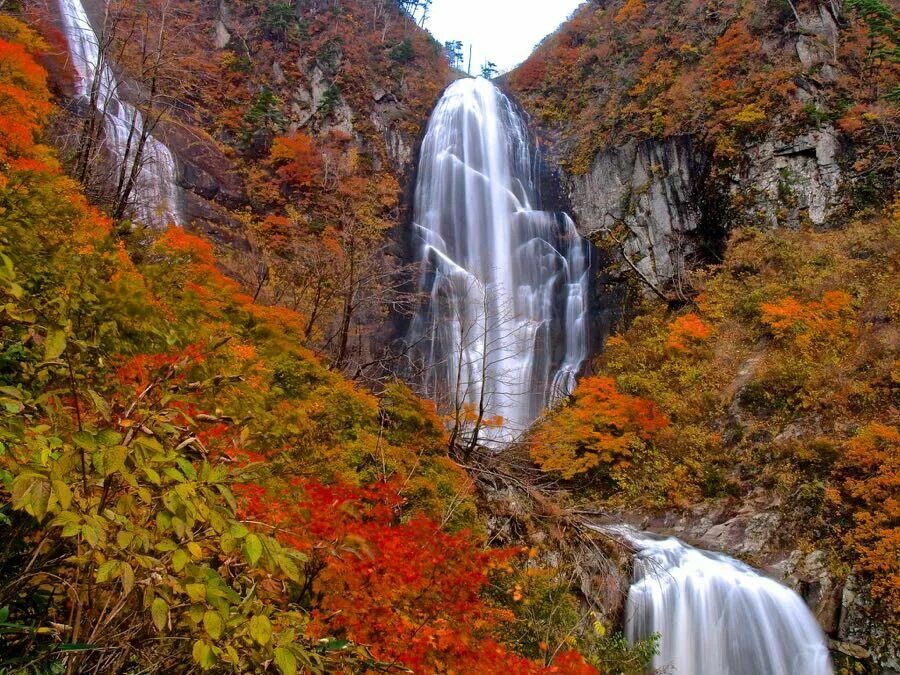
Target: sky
{"type": "Point", "coordinates": [503, 31]}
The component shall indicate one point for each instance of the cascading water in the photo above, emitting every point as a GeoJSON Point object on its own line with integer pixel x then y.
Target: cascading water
{"type": "Point", "coordinates": [154, 197]}
{"type": "Point", "coordinates": [717, 616]}
{"type": "Point", "coordinates": [504, 329]}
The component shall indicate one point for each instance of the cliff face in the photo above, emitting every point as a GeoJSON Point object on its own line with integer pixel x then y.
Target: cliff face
{"type": "Point", "coordinates": [655, 188]}
{"type": "Point", "coordinates": [244, 73]}
{"type": "Point", "coordinates": [664, 191]}
{"type": "Point", "coordinates": [678, 124]}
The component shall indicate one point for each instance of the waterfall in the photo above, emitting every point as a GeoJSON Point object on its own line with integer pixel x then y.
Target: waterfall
{"type": "Point", "coordinates": [718, 616]}
{"type": "Point", "coordinates": [503, 328]}
{"type": "Point", "coordinates": [154, 196]}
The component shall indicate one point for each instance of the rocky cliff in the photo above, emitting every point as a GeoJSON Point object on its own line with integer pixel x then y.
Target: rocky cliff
{"type": "Point", "coordinates": [652, 145]}
{"type": "Point", "coordinates": [241, 75]}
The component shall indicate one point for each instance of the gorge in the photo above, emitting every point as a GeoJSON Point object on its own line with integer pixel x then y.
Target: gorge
{"type": "Point", "coordinates": [318, 356]}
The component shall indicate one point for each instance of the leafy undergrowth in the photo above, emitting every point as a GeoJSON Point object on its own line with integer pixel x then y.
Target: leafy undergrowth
{"type": "Point", "coordinates": [185, 487]}
{"type": "Point", "coordinates": [782, 377]}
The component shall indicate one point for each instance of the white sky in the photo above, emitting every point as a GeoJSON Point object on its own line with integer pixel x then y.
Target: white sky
{"type": "Point", "coordinates": [502, 31]}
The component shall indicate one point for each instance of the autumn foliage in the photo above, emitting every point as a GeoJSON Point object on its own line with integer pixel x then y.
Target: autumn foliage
{"type": "Point", "coordinates": [687, 331]}
{"type": "Point", "coordinates": [722, 73]}
{"type": "Point", "coordinates": [597, 432]}
{"type": "Point", "coordinates": [184, 486]}
{"type": "Point", "coordinates": [298, 161]}
{"type": "Point", "coordinates": [779, 380]}
{"type": "Point", "coordinates": [867, 483]}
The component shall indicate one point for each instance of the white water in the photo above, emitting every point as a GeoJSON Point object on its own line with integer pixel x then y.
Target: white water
{"type": "Point", "coordinates": [504, 327]}
{"type": "Point", "coordinates": [154, 197]}
{"type": "Point", "coordinates": [718, 616]}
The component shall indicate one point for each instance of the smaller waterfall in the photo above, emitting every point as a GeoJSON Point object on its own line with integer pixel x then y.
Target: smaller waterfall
{"type": "Point", "coordinates": [718, 616]}
{"type": "Point", "coordinates": [154, 197]}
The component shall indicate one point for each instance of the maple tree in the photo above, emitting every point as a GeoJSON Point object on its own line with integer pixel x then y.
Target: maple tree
{"type": "Point", "coordinates": [598, 430]}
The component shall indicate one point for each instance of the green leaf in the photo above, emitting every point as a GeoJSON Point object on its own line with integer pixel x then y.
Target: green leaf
{"type": "Point", "coordinates": [101, 405]}
{"type": "Point", "coordinates": [152, 476]}
{"type": "Point", "coordinates": [286, 661]}
{"type": "Point", "coordinates": [105, 571]}
{"type": "Point", "coordinates": [69, 522]}
{"type": "Point", "coordinates": [114, 459]}
{"type": "Point", "coordinates": [63, 493]}
{"type": "Point", "coordinates": [180, 559]}
{"type": "Point", "coordinates": [213, 624]}
{"type": "Point", "coordinates": [203, 655]}
{"type": "Point", "coordinates": [196, 592]}
{"type": "Point", "coordinates": [239, 531]}
{"type": "Point", "coordinates": [90, 534]}
{"type": "Point", "coordinates": [187, 468]}
{"type": "Point", "coordinates": [159, 610]}
{"type": "Point", "coordinates": [126, 574]}
{"type": "Point", "coordinates": [109, 437]}
{"type": "Point", "coordinates": [31, 493]}
{"type": "Point", "coordinates": [227, 543]}
{"type": "Point", "coordinates": [174, 474]}
{"type": "Point", "coordinates": [253, 548]}
{"type": "Point", "coordinates": [55, 344]}
{"type": "Point", "coordinates": [289, 568]}
{"type": "Point", "coordinates": [84, 440]}
{"type": "Point", "coordinates": [261, 629]}
{"type": "Point", "coordinates": [124, 538]}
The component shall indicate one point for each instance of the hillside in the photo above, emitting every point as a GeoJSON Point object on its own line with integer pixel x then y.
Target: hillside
{"type": "Point", "coordinates": [285, 124]}
{"type": "Point", "coordinates": [673, 123]}
{"type": "Point", "coordinates": [185, 486]}
{"type": "Point", "coordinates": [738, 160]}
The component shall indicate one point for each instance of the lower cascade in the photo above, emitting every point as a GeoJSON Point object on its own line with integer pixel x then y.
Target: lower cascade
{"type": "Point", "coordinates": [716, 615]}
{"type": "Point", "coordinates": [154, 196]}
{"type": "Point", "coordinates": [503, 329]}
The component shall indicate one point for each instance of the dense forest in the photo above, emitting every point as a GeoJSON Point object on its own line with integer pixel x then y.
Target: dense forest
{"type": "Point", "coordinates": [216, 451]}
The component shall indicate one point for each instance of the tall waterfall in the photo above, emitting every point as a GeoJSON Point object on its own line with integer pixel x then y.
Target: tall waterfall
{"type": "Point", "coordinates": [154, 197]}
{"type": "Point", "coordinates": [503, 330]}
{"type": "Point", "coordinates": [717, 616]}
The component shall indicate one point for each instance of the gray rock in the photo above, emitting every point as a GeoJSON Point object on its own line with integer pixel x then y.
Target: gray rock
{"type": "Point", "coordinates": [653, 188]}
{"type": "Point", "coordinates": [789, 180]}
{"type": "Point", "coordinates": [278, 73]}
{"type": "Point", "coordinates": [818, 40]}
{"type": "Point", "coordinates": [223, 37]}
{"type": "Point", "coordinates": [810, 576]}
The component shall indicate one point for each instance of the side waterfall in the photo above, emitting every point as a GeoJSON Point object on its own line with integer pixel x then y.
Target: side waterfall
{"type": "Point", "coordinates": [503, 330]}
{"type": "Point", "coordinates": [154, 197]}
{"type": "Point", "coordinates": [718, 616]}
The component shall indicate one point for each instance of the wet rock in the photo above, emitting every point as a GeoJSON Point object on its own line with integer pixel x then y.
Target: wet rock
{"type": "Point", "coordinates": [810, 576]}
